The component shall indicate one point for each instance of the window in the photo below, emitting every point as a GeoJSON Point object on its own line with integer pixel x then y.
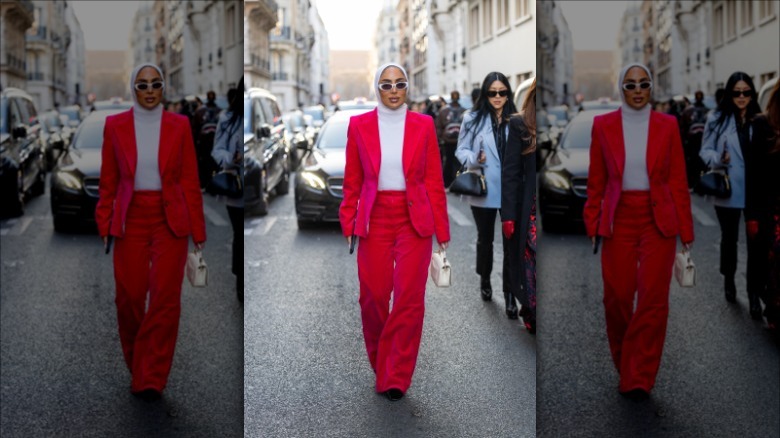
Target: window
{"type": "Point", "coordinates": [503, 14]}
{"type": "Point", "coordinates": [231, 24]}
{"type": "Point", "coordinates": [487, 19]}
{"type": "Point", "coordinates": [717, 28]}
{"type": "Point", "coordinates": [521, 9]}
{"type": "Point", "coordinates": [746, 14]}
{"type": "Point", "coordinates": [731, 19]}
{"type": "Point", "coordinates": [766, 10]}
{"type": "Point", "coordinates": [474, 25]}
{"type": "Point", "coordinates": [766, 77]}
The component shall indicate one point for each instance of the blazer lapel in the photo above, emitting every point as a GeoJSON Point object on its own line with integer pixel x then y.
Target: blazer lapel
{"type": "Point", "coordinates": [370, 134]}
{"type": "Point", "coordinates": [126, 137]}
{"type": "Point", "coordinates": [615, 143]}
{"type": "Point", "coordinates": [653, 145]}
{"type": "Point", "coordinates": [166, 141]}
{"type": "Point", "coordinates": [411, 129]}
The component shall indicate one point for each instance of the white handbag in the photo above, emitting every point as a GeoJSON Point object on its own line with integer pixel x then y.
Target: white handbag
{"type": "Point", "coordinates": [684, 269]}
{"type": "Point", "coordinates": [441, 272]}
{"type": "Point", "coordinates": [197, 271]}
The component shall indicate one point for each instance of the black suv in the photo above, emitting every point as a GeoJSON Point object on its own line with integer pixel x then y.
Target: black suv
{"type": "Point", "coordinates": [22, 160]}
{"type": "Point", "coordinates": [266, 151]}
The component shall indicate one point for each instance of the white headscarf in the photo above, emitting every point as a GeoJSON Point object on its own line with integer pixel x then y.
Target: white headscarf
{"type": "Point", "coordinates": [135, 75]}
{"type": "Point", "coordinates": [623, 76]}
{"type": "Point", "coordinates": [379, 72]}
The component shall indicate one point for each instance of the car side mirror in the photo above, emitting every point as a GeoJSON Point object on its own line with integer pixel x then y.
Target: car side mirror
{"type": "Point", "coordinates": [263, 131]}
{"type": "Point", "coordinates": [19, 132]}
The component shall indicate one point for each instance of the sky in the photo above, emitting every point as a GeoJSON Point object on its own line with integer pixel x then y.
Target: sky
{"type": "Point", "coordinates": [106, 24]}
{"type": "Point", "coordinates": [350, 23]}
{"type": "Point", "coordinates": [594, 25]}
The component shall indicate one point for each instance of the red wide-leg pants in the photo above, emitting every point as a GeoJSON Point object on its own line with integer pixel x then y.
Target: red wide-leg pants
{"type": "Point", "coordinates": [149, 260]}
{"type": "Point", "coordinates": [636, 262]}
{"type": "Point", "coordinates": [392, 259]}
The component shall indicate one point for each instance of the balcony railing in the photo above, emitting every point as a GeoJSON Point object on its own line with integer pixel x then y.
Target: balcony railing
{"type": "Point", "coordinates": [35, 76]}
{"type": "Point", "coordinates": [40, 35]}
{"type": "Point", "coordinates": [280, 76]}
{"type": "Point", "coordinates": [281, 33]}
{"type": "Point", "coordinates": [14, 62]}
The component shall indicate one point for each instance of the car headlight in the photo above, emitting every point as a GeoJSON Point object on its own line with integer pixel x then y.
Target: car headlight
{"type": "Point", "coordinates": [68, 180]}
{"type": "Point", "coordinates": [313, 180]}
{"type": "Point", "coordinates": [557, 181]}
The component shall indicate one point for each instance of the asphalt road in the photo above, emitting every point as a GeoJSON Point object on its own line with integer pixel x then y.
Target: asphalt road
{"type": "Point", "coordinates": [720, 371]}
{"type": "Point", "coordinates": [61, 366]}
{"type": "Point", "coordinates": [306, 371]}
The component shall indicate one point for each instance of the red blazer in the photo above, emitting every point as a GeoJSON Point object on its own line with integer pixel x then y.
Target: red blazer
{"type": "Point", "coordinates": [178, 171]}
{"type": "Point", "coordinates": [422, 167]}
{"type": "Point", "coordinates": [671, 201]}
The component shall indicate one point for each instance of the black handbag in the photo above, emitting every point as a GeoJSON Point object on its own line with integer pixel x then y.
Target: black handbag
{"type": "Point", "coordinates": [469, 182]}
{"type": "Point", "coordinates": [714, 183]}
{"type": "Point", "coordinates": [226, 183]}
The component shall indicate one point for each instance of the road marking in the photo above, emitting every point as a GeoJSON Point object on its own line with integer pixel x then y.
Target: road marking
{"type": "Point", "coordinates": [25, 223]}
{"type": "Point", "coordinates": [702, 217]}
{"type": "Point", "coordinates": [458, 217]}
{"type": "Point", "coordinates": [214, 217]}
{"type": "Point", "coordinates": [268, 225]}
{"type": "Point", "coordinates": [16, 226]}
{"type": "Point", "coordinates": [256, 225]}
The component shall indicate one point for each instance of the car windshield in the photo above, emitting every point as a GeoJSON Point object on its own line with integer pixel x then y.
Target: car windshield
{"type": "Point", "coordinates": [3, 116]}
{"type": "Point", "coordinates": [247, 116]}
{"type": "Point", "coordinates": [334, 135]}
{"type": "Point", "coordinates": [52, 121]}
{"type": "Point", "coordinates": [90, 134]}
{"type": "Point", "coordinates": [72, 114]}
{"type": "Point", "coordinates": [577, 135]}
{"type": "Point", "coordinates": [293, 120]}
{"type": "Point", "coordinates": [316, 114]}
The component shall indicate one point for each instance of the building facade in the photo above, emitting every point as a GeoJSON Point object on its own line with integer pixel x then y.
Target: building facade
{"type": "Point", "coordinates": [449, 29]}
{"type": "Point", "coordinates": [320, 61]}
{"type": "Point", "coordinates": [291, 42]}
{"type": "Point", "coordinates": [15, 18]}
{"type": "Point", "coordinates": [563, 79]}
{"type": "Point", "coordinates": [259, 19]}
{"type": "Point", "coordinates": [76, 55]}
{"type": "Point", "coordinates": [46, 51]}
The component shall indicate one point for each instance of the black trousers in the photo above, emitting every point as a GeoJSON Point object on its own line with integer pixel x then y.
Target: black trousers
{"type": "Point", "coordinates": [236, 215]}
{"type": "Point", "coordinates": [757, 263]}
{"type": "Point", "coordinates": [450, 163]}
{"type": "Point", "coordinates": [485, 218]}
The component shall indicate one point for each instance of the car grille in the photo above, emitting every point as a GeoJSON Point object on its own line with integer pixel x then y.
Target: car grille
{"type": "Point", "coordinates": [91, 186]}
{"type": "Point", "coordinates": [580, 186]}
{"type": "Point", "coordinates": [335, 187]}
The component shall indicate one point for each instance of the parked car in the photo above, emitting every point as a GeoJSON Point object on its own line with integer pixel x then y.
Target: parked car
{"type": "Point", "coordinates": [54, 136]}
{"type": "Point", "coordinates": [300, 135]}
{"type": "Point", "coordinates": [318, 114]}
{"type": "Point", "coordinates": [76, 177]}
{"type": "Point", "coordinates": [113, 103]}
{"type": "Point", "coordinates": [563, 180]}
{"type": "Point", "coordinates": [71, 115]}
{"type": "Point", "coordinates": [319, 181]}
{"type": "Point", "coordinates": [22, 160]}
{"type": "Point", "coordinates": [358, 103]}
{"type": "Point", "coordinates": [266, 151]}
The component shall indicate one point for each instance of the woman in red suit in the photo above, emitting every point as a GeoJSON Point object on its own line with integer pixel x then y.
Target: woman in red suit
{"type": "Point", "coordinates": [150, 202]}
{"type": "Point", "coordinates": [638, 202]}
{"type": "Point", "coordinates": [394, 201]}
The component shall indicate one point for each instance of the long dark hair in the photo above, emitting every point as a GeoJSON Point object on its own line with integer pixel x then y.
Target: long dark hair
{"type": "Point", "coordinates": [482, 107]}
{"type": "Point", "coordinates": [726, 106]}
{"type": "Point", "coordinates": [236, 104]}
{"type": "Point", "coordinates": [773, 115]}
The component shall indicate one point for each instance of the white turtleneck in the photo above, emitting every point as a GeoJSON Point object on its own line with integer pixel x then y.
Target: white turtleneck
{"type": "Point", "coordinates": [391, 141]}
{"type": "Point", "coordinates": [147, 140]}
{"type": "Point", "coordinates": [635, 129]}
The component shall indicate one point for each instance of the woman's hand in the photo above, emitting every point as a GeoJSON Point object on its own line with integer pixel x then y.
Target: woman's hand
{"type": "Point", "coordinates": [443, 245]}
{"type": "Point", "coordinates": [349, 241]}
{"type": "Point", "coordinates": [751, 227]}
{"type": "Point", "coordinates": [688, 245]}
{"type": "Point", "coordinates": [726, 158]}
{"type": "Point", "coordinates": [481, 158]}
{"type": "Point", "coordinates": [200, 245]}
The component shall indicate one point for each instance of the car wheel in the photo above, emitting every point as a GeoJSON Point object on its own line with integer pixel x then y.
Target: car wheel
{"type": "Point", "coordinates": [283, 187]}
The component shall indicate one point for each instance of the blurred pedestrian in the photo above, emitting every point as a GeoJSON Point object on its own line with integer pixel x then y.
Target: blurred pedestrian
{"type": "Point", "coordinates": [762, 204]}
{"type": "Point", "coordinates": [150, 203]}
{"type": "Point", "coordinates": [448, 124]}
{"type": "Point", "coordinates": [474, 97]}
{"type": "Point", "coordinates": [481, 146]}
{"type": "Point", "coordinates": [518, 207]}
{"type": "Point", "coordinates": [229, 155]}
{"type": "Point", "coordinates": [638, 203]}
{"type": "Point", "coordinates": [726, 145]}
{"type": "Point", "coordinates": [206, 120]}
{"type": "Point", "coordinates": [692, 123]}
{"type": "Point", "coordinates": [393, 180]}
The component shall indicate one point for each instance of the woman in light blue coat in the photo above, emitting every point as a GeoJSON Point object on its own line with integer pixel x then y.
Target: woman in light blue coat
{"type": "Point", "coordinates": [481, 143]}
{"type": "Point", "coordinates": [725, 145]}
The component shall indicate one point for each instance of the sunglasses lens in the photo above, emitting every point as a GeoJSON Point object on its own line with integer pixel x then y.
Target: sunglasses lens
{"type": "Point", "coordinates": [644, 85]}
{"type": "Point", "coordinates": [745, 93]}
{"type": "Point", "coordinates": [157, 85]}
{"type": "Point", "coordinates": [503, 93]}
{"type": "Point", "coordinates": [400, 85]}
{"type": "Point", "coordinates": [140, 86]}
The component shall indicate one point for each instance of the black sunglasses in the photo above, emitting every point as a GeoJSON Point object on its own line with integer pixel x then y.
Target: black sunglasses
{"type": "Point", "coordinates": [630, 86]}
{"type": "Point", "coordinates": [744, 93]}
{"type": "Point", "coordinates": [142, 86]}
{"type": "Point", "coordinates": [386, 86]}
{"type": "Point", "coordinates": [494, 93]}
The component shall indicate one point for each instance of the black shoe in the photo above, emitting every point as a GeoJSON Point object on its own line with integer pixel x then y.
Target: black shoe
{"type": "Point", "coordinates": [394, 394]}
{"type": "Point", "coordinates": [148, 395]}
{"type": "Point", "coordinates": [485, 290]}
{"type": "Point", "coordinates": [731, 290]}
{"type": "Point", "coordinates": [636, 395]}
{"type": "Point", "coordinates": [755, 307]}
{"type": "Point", "coordinates": [511, 307]}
